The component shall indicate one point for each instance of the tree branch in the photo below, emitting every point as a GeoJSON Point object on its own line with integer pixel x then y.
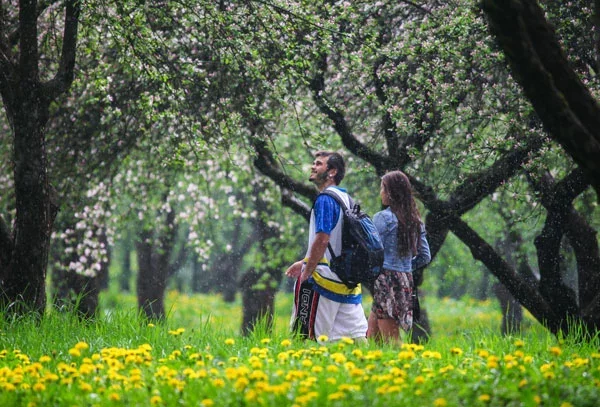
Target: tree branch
{"type": "Point", "coordinates": [569, 112]}
{"type": "Point", "coordinates": [481, 184]}
{"type": "Point", "coordinates": [28, 57]}
{"type": "Point", "coordinates": [288, 199]}
{"type": "Point", "coordinates": [317, 85]}
{"type": "Point", "coordinates": [267, 165]}
{"type": "Point", "coordinates": [518, 286]}
{"type": "Point", "coordinates": [65, 74]}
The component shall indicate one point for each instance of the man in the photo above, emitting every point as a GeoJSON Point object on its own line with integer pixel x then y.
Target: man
{"type": "Point", "coordinates": [323, 305]}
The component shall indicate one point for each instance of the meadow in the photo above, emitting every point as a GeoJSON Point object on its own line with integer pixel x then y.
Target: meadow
{"type": "Point", "coordinates": [197, 358]}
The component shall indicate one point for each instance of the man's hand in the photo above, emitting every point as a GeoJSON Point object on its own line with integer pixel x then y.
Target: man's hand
{"type": "Point", "coordinates": [295, 269]}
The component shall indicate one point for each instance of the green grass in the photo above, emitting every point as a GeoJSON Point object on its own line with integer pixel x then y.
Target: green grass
{"type": "Point", "coordinates": [197, 358]}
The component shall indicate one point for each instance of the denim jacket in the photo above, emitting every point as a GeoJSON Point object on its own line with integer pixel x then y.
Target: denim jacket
{"type": "Point", "coordinates": [387, 225]}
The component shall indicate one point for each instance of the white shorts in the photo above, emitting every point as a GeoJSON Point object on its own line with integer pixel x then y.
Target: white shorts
{"type": "Point", "coordinates": [314, 315]}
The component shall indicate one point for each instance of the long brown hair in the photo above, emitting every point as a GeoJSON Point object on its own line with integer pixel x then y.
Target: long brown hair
{"type": "Point", "coordinates": [402, 204]}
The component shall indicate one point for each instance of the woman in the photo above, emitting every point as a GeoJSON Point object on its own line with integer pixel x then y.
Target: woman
{"type": "Point", "coordinates": [405, 249]}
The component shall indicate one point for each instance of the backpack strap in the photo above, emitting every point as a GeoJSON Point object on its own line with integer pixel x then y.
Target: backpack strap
{"type": "Point", "coordinates": [343, 206]}
{"type": "Point", "coordinates": [338, 199]}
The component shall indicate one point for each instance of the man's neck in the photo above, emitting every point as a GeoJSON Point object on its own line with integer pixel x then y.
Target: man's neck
{"type": "Point", "coordinates": [326, 185]}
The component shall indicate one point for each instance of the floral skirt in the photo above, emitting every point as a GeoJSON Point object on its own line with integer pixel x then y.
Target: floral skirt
{"type": "Point", "coordinates": [393, 299]}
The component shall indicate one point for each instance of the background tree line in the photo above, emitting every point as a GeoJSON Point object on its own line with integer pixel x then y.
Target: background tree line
{"type": "Point", "coordinates": [183, 132]}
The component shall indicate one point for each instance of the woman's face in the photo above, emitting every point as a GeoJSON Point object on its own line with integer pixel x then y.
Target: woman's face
{"type": "Point", "coordinates": [385, 200]}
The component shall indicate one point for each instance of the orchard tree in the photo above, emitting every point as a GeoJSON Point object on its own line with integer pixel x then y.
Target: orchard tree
{"type": "Point", "coordinates": [423, 89]}
{"type": "Point", "coordinates": [558, 85]}
{"type": "Point", "coordinates": [33, 75]}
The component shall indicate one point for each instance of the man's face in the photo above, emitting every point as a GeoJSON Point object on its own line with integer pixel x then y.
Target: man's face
{"type": "Point", "coordinates": [318, 171]}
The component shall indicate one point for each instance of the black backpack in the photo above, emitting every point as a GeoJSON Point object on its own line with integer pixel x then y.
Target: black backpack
{"type": "Point", "coordinates": [361, 260]}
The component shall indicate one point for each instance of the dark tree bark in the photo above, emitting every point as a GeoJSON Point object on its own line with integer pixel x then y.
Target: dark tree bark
{"type": "Point", "coordinates": [564, 221]}
{"type": "Point", "coordinates": [75, 292]}
{"type": "Point", "coordinates": [258, 301]}
{"type": "Point", "coordinates": [103, 276]}
{"type": "Point", "coordinates": [27, 100]}
{"type": "Point", "coordinates": [564, 104]}
{"type": "Point", "coordinates": [125, 277]}
{"type": "Point", "coordinates": [155, 268]}
{"type": "Point", "coordinates": [512, 313]}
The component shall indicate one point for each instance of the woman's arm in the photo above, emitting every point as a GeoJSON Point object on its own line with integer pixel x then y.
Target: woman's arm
{"type": "Point", "coordinates": [423, 256]}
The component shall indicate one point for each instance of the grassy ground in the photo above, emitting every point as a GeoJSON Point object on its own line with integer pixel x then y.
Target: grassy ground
{"type": "Point", "coordinates": [197, 358]}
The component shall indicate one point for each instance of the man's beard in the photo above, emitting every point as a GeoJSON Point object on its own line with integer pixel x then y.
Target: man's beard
{"type": "Point", "coordinates": [319, 178]}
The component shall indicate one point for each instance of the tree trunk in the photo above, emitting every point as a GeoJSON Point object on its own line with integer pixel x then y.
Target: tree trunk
{"type": "Point", "coordinates": [155, 268]}
{"type": "Point", "coordinates": [75, 293]}
{"type": "Point", "coordinates": [103, 276]}
{"type": "Point", "coordinates": [583, 239]}
{"type": "Point", "coordinates": [512, 313]}
{"type": "Point", "coordinates": [198, 285]}
{"type": "Point", "coordinates": [125, 277]}
{"type": "Point", "coordinates": [421, 330]}
{"type": "Point", "coordinates": [258, 302]}
{"type": "Point", "coordinates": [24, 278]}
{"type": "Point", "coordinates": [151, 283]}
{"type": "Point", "coordinates": [26, 101]}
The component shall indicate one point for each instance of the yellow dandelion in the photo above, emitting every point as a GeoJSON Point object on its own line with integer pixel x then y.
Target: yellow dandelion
{"type": "Point", "coordinates": [566, 404]}
{"type": "Point", "coordinates": [264, 341]}
{"type": "Point", "coordinates": [456, 351]}
{"type": "Point", "coordinates": [332, 369]}
{"type": "Point", "coordinates": [307, 363]}
{"type": "Point", "coordinates": [338, 395]}
{"type": "Point", "coordinates": [286, 342]}
{"type": "Point", "coordinates": [440, 402]}
{"type": "Point", "coordinates": [151, 325]}
{"type": "Point", "coordinates": [218, 382]}
{"type": "Point", "coordinates": [9, 387]}
{"type": "Point", "coordinates": [45, 359]}
{"type": "Point", "coordinates": [555, 350]}
{"type": "Point", "coordinates": [74, 352]}
{"type": "Point", "coordinates": [39, 387]}
{"type": "Point", "coordinates": [406, 354]}
{"type": "Point", "coordinates": [229, 341]}
{"type": "Point", "coordinates": [322, 338]}
{"type": "Point", "coordinates": [114, 397]}
{"type": "Point", "coordinates": [207, 403]}
{"type": "Point", "coordinates": [519, 343]}
{"type": "Point", "coordinates": [85, 386]}
{"type": "Point", "coordinates": [484, 398]}
{"type": "Point", "coordinates": [81, 346]}
{"type": "Point", "coordinates": [155, 400]}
